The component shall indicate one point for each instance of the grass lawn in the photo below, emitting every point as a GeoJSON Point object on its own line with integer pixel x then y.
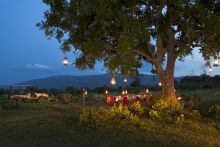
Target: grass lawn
{"type": "Point", "coordinates": [209, 96]}
{"type": "Point", "coordinates": [35, 124]}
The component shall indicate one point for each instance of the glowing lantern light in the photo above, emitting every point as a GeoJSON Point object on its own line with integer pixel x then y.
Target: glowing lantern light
{"type": "Point", "coordinates": [123, 92]}
{"type": "Point", "coordinates": [65, 61]}
{"type": "Point", "coordinates": [210, 70]}
{"type": "Point", "coordinates": [113, 81]}
{"type": "Point", "coordinates": [106, 92]}
{"type": "Point", "coordinates": [147, 91]}
{"type": "Point", "coordinates": [86, 92]}
{"type": "Point", "coordinates": [179, 98]}
{"type": "Point", "coordinates": [160, 84]}
{"type": "Point", "coordinates": [216, 61]}
{"type": "Point", "coordinates": [126, 92]}
{"type": "Point", "coordinates": [125, 80]}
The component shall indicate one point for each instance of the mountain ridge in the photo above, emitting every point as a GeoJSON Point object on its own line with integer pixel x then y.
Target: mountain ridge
{"type": "Point", "coordinates": [90, 81]}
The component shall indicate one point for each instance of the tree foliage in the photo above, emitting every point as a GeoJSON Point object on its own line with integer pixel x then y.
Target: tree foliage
{"type": "Point", "coordinates": [125, 33]}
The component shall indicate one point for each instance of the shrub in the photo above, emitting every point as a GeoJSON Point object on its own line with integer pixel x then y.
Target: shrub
{"type": "Point", "coordinates": [192, 114]}
{"type": "Point", "coordinates": [194, 102]}
{"type": "Point", "coordinates": [65, 98]}
{"type": "Point", "coordinates": [162, 109]}
{"type": "Point", "coordinates": [119, 113]}
{"type": "Point", "coordinates": [180, 118]}
{"type": "Point", "coordinates": [136, 108]}
{"type": "Point", "coordinates": [94, 118]}
{"type": "Point", "coordinates": [214, 112]}
{"type": "Point", "coordinates": [101, 117]}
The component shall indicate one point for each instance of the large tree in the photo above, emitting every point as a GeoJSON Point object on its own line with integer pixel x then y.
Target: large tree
{"type": "Point", "coordinates": [125, 33]}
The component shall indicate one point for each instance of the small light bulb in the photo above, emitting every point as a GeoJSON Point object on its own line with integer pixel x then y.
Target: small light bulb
{"type": "Point", "coordinates": [106, 92]}
{"type": "Point", "coordinates": [125, 80]}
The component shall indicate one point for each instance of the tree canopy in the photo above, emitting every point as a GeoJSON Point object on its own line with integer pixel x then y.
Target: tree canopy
{"type": "Point", "coordinates": [125, 33]}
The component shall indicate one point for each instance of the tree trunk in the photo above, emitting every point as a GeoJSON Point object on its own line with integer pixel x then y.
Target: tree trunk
{"type": "Point", "coordinates": [167, 78]}
{"type": "Point", "coordinates": [168, 88]}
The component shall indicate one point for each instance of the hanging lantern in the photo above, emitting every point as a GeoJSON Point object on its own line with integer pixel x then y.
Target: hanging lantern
{"type": "Point", "coordinates": [126, 92]}
{"type": "Point", "coordinates": [106, 92]}
{"type": "Point", "coordinates": [123, 92]}
{"type": "Point", "coordinates": [113, 81]}
{"type": "Point", "coordinates": [86, 92]}
{"type": "Point", "coordinates": [147, 91]}
{"type": "Point", "coordinates": [216, 61]}
{"type": "Point", "coordinates": [210, 69]}
{"type": "Point", "coordinates": [160, 84]}
{"type": "Point", "coordinates": [65, 61]}
{"type": "Point", "coordinates": [125, 80]}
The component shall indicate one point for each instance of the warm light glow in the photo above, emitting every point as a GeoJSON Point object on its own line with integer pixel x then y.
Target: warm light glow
{"type": "Point", "coordinates": [216, 61]}
{"type": "Point", "coordinates": [179, 98]}
{"type": "Point", "coordinates": [125, 80]}
{"type": "Point", "coordinates": [147, 91]}
{"type": "Point", "coordinates": [113, 81]}
{"type": "Point", "coordinates": [210, 69]}
{"type": "Point", "coordinates": [65, 61]}
{"type": "Point", "coordinates": [106, 92]}
{"type": "Point", "coordinates": [160, 84]}
{"type": "Point", "coordinates": [86, 92]}
{"type": "Point", "coordinates": [126, 92]}
{"type": "Point", "coordinates": [123, 92]}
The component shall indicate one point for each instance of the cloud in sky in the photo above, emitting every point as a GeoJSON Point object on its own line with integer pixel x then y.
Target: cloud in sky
{"type": "Point", "coordinates": [38, 66]}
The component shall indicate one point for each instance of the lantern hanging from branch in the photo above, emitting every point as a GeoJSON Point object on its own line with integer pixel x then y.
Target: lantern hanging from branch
{"type": "Point", "coordinates": [125, 80]}
{"type": "Point", "coordinates": [216, 61]}
{"type": "Point", "coordinates": [113, 81]}
{"type": "Point", "coordinates": [210, 69]}
{"type": "Point", "coordinates": [65, 61]}
{"type": "Point", "coordinates": [147, 90]}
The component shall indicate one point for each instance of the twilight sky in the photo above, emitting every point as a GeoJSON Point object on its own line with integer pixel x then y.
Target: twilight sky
{"type": "Point", "coordinates": [26, 53]}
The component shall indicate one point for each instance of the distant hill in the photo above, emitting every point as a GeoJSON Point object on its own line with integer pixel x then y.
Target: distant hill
{"type": "Point", "coordinates": [90, 81]}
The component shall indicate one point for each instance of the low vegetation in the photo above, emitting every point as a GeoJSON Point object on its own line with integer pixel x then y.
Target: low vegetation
{"type": "Point", "coordinates": [139, 124]}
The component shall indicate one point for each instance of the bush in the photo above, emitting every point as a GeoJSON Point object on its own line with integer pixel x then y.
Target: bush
{"type": "Point", "coordinates": [162, 109]}
{"type": "Point", "coordinates": [193, 103]}
{"type": "Point", "coordinates": [214, 112]}
{"type": "Point", "coordinates": [136, 108]}
{"type": "Point", "coordinates": [102, 117]}
{"type": "Point", "coordinates": [94, 118]}
{"type": "Point", "coordinates": [65, 98]}
{"type": "Point", "coordinates": [192, 114]}
{"type": "Point", "coordinates": [120, 113]}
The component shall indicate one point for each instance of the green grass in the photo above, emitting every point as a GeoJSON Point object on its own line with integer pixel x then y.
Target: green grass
{"type": "Point", "coordinates": [52, 124]}
{"type": "Point", "coordinates": [58, 125]}
{"type": "Point", "coordinates": [209, 96]}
